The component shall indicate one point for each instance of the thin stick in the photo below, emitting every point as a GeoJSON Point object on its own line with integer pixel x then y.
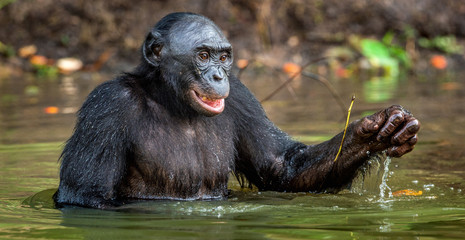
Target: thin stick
{"type": "Point", "coordinates": [345, 129]}
{"type": "Point", "coordinates": [330, 87]}
{"type": "Point", "coordinates": [290, 79]}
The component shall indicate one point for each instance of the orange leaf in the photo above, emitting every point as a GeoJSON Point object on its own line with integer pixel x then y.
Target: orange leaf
{"type": "Point", "coordinates": [342, 72]}
{"type": "Point", "coordinates": [291, 69]}
{"type": "Point", "coordinates": [438, 61]}
{"type": "Point", "coordinates": [407, 192]}
{"type": "Point", "coordinates": [38, 60]}
{"type": "Point", "coordinates": [450, 86]}
{"type": "Point", "coordinates": [51, 110]}
{"type": "Point", "coordinates": [242, 63]}
{"type": "Point", "coordinates": [27, 51]}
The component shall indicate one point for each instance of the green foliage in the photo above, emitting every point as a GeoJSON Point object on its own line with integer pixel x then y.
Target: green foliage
{"type": "Point", "coordinates": [9, 98]}
{"type": "Point", "coordinates": [64, 40]}
{"type": "Point", "coordinates": [447, 44]}
{"type": "Point", "coordinates": [409, 32]}
{"type": "Point", "coordinates": [378, 56]}
{"type": "Point", "coordinates": [374, 49]}
{"type": "Point", "coordinates": [3, 3]}
{"type": "Point", "coordinates": [5, 49]}
{"type": "Point", "coordinates": [32, 90]}
{"type": "Point", "coordinates": [46, 71]}
{"type": "Point", "coordinates": [384, 54]}
{"type": "Point", "coordinates": [401, 55]}
{"type": "Point", "coordinates": [396, 51]}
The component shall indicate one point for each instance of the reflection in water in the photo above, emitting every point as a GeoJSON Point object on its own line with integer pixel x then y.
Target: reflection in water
{"type": "Point", "coordinates": [380, 89]}
{"type": "Point", "coordinates": [42, 199]}
{"type": "Point", "coordinates": [70, 89]}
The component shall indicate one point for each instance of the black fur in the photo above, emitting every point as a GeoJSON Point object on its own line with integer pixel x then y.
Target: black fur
{"type": "Point", "coordinates": [138, 137]}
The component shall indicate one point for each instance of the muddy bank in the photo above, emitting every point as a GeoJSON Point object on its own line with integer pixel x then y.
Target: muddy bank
{"type": "Point", "coordinates": [85, 29]}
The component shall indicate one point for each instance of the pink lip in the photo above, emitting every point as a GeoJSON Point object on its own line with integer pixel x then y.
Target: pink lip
{"type": "Point", "coordinates": [215, 106]}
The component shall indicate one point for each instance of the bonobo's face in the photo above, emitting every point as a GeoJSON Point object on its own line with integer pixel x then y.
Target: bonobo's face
{"type": "Point", "coordinates": [203, 58]}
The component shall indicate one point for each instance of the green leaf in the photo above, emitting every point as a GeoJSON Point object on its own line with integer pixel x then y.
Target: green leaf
{"type": "Point", "coordinates": [401, 55]}
{"type": "Point", "coordinates": [388, 37]}
{"type": "Point", "coordinates": [374, 49]}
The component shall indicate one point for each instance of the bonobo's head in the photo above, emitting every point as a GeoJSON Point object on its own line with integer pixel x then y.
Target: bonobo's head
{"type": "Point", "coordinates": [194, 58]}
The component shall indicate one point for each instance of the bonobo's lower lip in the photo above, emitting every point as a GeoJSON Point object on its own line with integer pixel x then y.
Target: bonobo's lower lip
{"type": "Point", "coordinates": [213, 106]}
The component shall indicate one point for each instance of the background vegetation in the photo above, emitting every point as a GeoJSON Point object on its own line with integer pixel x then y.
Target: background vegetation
{"type": "Point", "coordinates": [278, 31]}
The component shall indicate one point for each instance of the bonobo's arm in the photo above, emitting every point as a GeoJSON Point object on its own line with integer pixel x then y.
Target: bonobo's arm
{"type": "Point", "coordinates": [93, 160]}
{"type": "Point", "coordinates": [393, 129]}
{"type": "Point", "coordinates": [272, 161]}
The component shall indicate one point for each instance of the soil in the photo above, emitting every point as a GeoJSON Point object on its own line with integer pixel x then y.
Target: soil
{"type": "Point", "coordinates": [85, 29]}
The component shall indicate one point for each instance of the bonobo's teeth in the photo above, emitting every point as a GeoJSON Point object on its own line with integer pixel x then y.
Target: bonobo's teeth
{"type": "Point", "coordinates": [204, 98]}
{"type": "Point", "coordinates": [212, 106]}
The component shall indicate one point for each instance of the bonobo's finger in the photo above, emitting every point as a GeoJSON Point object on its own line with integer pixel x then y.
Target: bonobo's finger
{"type": "Point", "coordinates": [370, 124]}
{"type": "Point", "coordinates": [407, 132]}
{"type": "Point", "coordinates": [367, 127]}
{"type": "Point", "coordinates": [395, 119]}
{"type": "Point", "coordinates": [413, 140]}
{"type": "Point", "coordinates": [398, 151]}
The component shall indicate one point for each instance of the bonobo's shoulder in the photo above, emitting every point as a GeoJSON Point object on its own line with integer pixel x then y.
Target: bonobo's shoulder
{"type": "Point", "coordinates": [108, 96]}
{"type": "Point", "coordinates": [114, 89]}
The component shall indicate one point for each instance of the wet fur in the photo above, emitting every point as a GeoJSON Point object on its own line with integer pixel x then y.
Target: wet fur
{"type": "Point", "coordinates": [137, 137]}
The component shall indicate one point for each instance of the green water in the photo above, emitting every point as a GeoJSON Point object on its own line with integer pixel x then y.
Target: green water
{"type": "Point", "coordinates": [31, 141]}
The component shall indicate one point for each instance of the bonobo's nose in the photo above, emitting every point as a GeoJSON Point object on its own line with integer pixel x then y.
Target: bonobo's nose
{"type": "Point", "coordinates": [218, 75]}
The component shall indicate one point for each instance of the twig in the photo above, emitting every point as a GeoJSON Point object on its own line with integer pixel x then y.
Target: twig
{"type": "Point", "coordinates": [345, 128]}
{"type": "Point", "coordinates": [288, 86]}
{"type": "Point", "coordinates": [328, 85]}
{"type": "Point", "coordinates": [290, 79]}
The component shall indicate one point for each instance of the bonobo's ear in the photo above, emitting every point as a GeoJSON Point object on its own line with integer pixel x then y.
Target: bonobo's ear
{"type": "Point", "coordinates": [152, 48]}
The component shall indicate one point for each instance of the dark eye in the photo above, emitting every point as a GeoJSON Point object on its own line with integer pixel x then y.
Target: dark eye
{"type": "Point", "coordinates": [224, 57]}
{"type": "Point", "coordinates": [203, 56]}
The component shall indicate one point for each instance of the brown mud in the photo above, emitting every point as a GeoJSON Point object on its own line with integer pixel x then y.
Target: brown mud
{"type": "Point", "coordinates": [285, 29]}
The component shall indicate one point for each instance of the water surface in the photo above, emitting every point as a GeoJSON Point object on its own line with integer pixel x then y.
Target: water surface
{"type": "Point", "coordinates": [31, 141]}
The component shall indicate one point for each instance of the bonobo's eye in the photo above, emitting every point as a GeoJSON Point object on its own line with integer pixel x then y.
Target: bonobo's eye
{"type": "Point", "coordinates": [224, 57]}
{"type": "Point", "coordinates": [204, 56]}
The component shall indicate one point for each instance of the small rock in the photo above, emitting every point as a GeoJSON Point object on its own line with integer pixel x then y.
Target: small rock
{"type": "Point", "coordinates": [27, 51]}
{"type": "Point", "coordinates": [68, 65]}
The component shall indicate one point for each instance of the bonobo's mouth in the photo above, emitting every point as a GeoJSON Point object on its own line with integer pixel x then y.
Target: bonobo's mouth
{"type": "Point", "coordinates": [212, 106]}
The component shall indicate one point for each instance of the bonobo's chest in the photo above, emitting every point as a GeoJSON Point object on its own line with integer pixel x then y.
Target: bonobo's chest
{"type": "Point", "coordinates": [176, 158]}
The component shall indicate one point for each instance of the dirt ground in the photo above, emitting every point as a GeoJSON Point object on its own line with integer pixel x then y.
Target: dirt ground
{"type": "Point", "coordinates": [85, 29]}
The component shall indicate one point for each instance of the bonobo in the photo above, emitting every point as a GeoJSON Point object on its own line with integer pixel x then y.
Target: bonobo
{"type": "Point", "coordinates": [180, 123]}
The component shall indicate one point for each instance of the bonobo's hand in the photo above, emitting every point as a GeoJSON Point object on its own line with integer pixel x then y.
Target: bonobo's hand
{"type": "Point", "coordinates": [393, 129]}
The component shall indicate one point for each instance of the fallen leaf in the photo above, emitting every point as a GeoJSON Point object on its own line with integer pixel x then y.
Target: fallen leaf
{"type": "Point", "coordinates": [291, 69]}
{"type": "Point", "coordinates": [38, 60]}
{"type": "Point", "coordinates": [27, 51]}
{"type": "Point", "coordinates": [101, 60]}
{"type": "Point", "coordinates": [242, 63]}
{"type": "Point", "coordinates": [407, 192]}
{"type": "Point", "coordinates": [342, 72]}
{"type": "Point", "coordinates": [450, 86]}
{"type": "Point", "coordinates": [438, 62]}
{"type": "Point", "coordinates": [51, 110]}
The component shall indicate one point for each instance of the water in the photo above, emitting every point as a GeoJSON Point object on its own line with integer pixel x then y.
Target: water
{"type": "Point", "coordinates": [383, 187]}
{"type": "Point", "coordinates": [31, 141]}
